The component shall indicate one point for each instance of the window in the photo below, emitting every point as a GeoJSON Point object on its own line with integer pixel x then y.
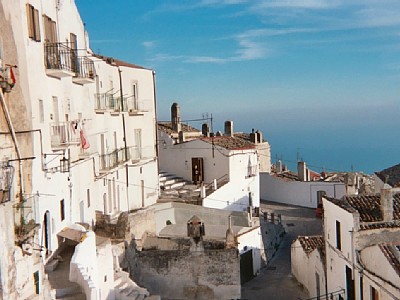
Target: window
{"type": "Point", "coordinates": [33, 23]}
{"type": "Point", "coordinates": [41, 111]}
{"type": "Point", "coordinates": [338, 236]}
{"type": "Point", "coordinates": [62, 210]}
{"type": "Point", "coordinates": [88, 197]}
{"type": "Point", "coordinates": [374, 294]}
{"type": "Point", "coordinates": [135, 96]}
{"type": "Point", "coordinates": [50, 30]}
{"type": "Point", "coordinates": [36, 282]}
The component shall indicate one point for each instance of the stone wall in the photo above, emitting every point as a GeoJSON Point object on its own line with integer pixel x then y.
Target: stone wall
{"type": "Point", "coordinates": [182, 274]}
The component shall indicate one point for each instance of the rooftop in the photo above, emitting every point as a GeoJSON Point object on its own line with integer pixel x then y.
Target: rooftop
{"type": "Point", "coordinates": [310, 243]}
{"type": "Point", "coordinates": [229, 142]}
{"type": "Point", "coordinates": [392, 254]}
{"type": "Point", "coordinates": [117, 62]}
{"type": "Point", "coordinates": [167, 128]}
{"type": "Point", "coordinates": [392, 174]}
{"type": "Point", "coordinates": [368, 206]}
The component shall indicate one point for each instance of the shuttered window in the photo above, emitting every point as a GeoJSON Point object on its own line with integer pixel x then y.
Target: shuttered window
{"type": "Point", "coordinates": [50, 30]}
{"type": "Point", "coordinates": [33, 22]}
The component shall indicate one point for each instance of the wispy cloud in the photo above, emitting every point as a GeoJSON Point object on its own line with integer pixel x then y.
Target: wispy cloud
{"type": "Point", "coordinates": [149, 44]}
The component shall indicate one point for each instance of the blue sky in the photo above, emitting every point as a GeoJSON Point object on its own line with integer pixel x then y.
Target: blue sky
{"type": "Point", "coordinates": [318, 77]}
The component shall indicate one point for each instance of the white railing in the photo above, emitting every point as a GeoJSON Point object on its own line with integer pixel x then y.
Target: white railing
{"type": "Point", "coordinates": [64, 133]}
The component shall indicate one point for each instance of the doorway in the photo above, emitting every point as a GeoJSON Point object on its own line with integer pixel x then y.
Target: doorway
{"type": "Point", "coordinates": [197, 170]}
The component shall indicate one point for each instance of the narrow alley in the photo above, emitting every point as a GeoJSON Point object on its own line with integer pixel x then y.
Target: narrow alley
{"type": "Point", "coordinates": [275, 281]}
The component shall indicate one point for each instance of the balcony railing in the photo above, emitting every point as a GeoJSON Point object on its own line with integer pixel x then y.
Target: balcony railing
{"type": "Point", "coordinates": [138, 153]}
{"type": "Point", "coordinates": [84, 70]}
{"type": "Point", "coordinates": [113, 159]}
{"type": "Point", "coordinates": [107, 101]}
{"type": "Point", "coordinates": [138, 106]}
{"type": "Point", "coordinates": [58, 59]}
{"type": "Point", "coordinates": [64, 134]}
{"type": "Point", "coordinates": [338, 295]}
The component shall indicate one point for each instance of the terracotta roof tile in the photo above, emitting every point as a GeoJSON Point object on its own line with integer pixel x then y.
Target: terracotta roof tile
{"type": "Point", "coordinates": [230, 143]}
{"type": "Point", "coordinates": [167, 128]}
{"type": "Point", "coordinates": [310, 243]}
{"type": "Point", "coordinates": [117, 62]}
{"type": "Point", "coordinates": [391, 252]}
{"type": "Point", "coordinates": [368, 206]}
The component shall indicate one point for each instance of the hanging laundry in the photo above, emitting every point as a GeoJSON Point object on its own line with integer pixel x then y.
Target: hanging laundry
{"type": "Point", "coordinates": [84, 142]}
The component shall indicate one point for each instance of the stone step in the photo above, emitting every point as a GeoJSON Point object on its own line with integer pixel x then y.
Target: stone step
{"type": "Point", "coordinates": [74, 296]}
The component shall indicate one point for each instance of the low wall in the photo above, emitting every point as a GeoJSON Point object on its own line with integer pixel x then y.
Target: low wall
{"type": "Point", "coordinates": [212, 274]}
{"type": "Point", "coordinates": [300, 193]}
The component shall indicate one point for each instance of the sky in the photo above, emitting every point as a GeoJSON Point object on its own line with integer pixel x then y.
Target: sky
{"type": "Point", "coordinates": [319, 78]}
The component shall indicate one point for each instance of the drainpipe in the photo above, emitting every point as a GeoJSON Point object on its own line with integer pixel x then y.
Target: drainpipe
{"type": "Point", "coordinates": [156, 118]}
{"type": "Point", "coordinates": [14, 138]}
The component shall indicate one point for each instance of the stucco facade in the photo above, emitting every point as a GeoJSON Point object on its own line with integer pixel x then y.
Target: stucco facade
{"type": "Point", "coordinates": [78, 129]}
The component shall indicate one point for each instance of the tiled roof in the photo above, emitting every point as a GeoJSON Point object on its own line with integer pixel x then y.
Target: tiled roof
{"type": "Point", "coordinates": [230, 143]}
{"type": "Point", "coordinates": [310, 243]}
{"type": "Point", "coordinates": [393, 175]}
{"type": "Point", "coordinates": [167, 128]}
{"type": "Point", "coordinates": [117, 62]}
{"type": "Point", "coordinates": [392, 254]}
{"type": "Point", "coordinates": [286, 176]}
{"type": "Point", "coordinates": [368, 206]}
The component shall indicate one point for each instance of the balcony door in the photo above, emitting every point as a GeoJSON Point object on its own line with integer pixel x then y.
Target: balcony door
{"type": "Point", "coordinates": [138, 143]}
{"type": "Point", "coordinates": [74, 53]}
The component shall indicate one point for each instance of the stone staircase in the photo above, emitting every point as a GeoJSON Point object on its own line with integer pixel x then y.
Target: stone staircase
{"type": "Point", "coordinates": [126, 289]}
{"type": "Point", "coordinates": [177, 189]}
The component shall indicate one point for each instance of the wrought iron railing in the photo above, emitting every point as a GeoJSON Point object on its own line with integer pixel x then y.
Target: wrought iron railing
{"type": "Point", "coordinates": [137, 105]}
{"type": "Point", "coordinates": [338, 295]}
{"type": "Point", "coordinates": [220, 182]}
{"type": "Point", "coordinates": [105, 101]}
{"type": "Point", "coordinates": [58, 56]}
{"type": "Point", "coordinates": [64, 133]}
{"type": "Point", "coordinates": [83, 67]}
{"type": "Point", "coordinates": [113, 159]}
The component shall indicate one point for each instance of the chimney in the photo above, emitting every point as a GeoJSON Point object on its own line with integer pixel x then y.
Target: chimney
{"type": "Point", "coordinates": [205, 130]}
{"type": "Point", "coordinates": [259, 136]}
{"type": "Point", "coordinates": [387, 204]}
{"type": "Point", "coordinates": [253, 137]}
{"type": "Point", "coordinates": [278, 167]}
{"type": "Point", "coordinates": [181, 135]}
{"type": "Point", "coordinates": [176, 117]}
{"type": "Point", "coordinates": [284, 168]}
{"type": "Point", "coordinates": [228, 128]}
{"type": "Point", "coordinates": [302, 170]}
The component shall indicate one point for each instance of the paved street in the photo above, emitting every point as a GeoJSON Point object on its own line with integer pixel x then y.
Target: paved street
{"type": "Point", "coordinates": [275, 281]}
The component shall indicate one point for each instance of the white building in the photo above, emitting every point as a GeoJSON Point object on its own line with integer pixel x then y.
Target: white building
{"type": "Point", "coordinates": [362, 239]}
{"type": "Point", "coordinates": [227, 165]}
{"type": "Point", "coordinates": [77, 129]}
{"type": "Point", "coordinates": [301, 188]}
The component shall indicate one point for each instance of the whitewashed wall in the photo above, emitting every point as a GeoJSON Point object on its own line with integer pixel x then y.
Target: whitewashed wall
{"type": "Point", "coordinates": [305, 267]}
{"type": "Point", "coordinates": [337, 260]}
{"type": "Point", "coordinates": [300, 193]}
{"type": "Point", "coordinates": [252, 239]}
{"type": "Point", "coordinates": [380, 274]}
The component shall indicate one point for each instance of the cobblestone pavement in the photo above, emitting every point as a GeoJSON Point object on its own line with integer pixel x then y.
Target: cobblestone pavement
{"type": "Point", "coordinates": [275, 281]}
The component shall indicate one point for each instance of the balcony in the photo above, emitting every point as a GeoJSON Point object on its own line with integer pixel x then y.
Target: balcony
{"type": "Point", "coordinates": [139, 153]}
{"type": "Point", "coordinates": [58, 60]}
{"type": "Point", "coordinates": [84, 70]}
{"type": "Point", "coordinates": [113, 159]}
{"type": "Point", "coordinates": [138, 107]}
{"type": "Point", "coordinates": [64, 134]}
